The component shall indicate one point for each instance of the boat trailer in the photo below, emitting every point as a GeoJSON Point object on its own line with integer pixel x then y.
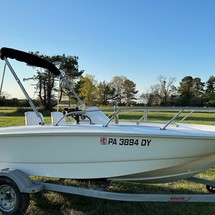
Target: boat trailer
{"type": "Point", "coordinates": [16, 187]}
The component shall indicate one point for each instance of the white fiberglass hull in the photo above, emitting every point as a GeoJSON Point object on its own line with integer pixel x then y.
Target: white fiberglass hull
{"type": "Point", "coordinates": [114, 152]}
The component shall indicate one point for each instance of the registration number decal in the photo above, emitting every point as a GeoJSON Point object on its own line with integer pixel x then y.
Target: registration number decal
{"type": "Point", "coordinates": [125, 141]}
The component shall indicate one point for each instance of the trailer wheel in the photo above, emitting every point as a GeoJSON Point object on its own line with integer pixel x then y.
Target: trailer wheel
{"type": "Point", "coordinates": [210, 189]}
{"type": "Point", "coordinates": [12, 201]}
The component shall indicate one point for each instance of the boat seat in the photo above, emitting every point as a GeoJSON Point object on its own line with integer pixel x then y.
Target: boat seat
{"type": "Point", "coordinates": [55, 116]}
{"type": "Point", "coordinates": [31, 118]}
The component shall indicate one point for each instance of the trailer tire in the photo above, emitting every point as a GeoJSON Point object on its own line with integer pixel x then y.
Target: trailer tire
{"type": "Point", "coordinates": [12, 201]}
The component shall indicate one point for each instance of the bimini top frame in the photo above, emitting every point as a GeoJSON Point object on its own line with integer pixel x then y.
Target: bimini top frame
{"type": "Point", "coordinates": [32, 60]}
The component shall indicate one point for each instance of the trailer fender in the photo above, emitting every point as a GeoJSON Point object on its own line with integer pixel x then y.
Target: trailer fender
{"type": "Point", "coordinates": [22, 180]}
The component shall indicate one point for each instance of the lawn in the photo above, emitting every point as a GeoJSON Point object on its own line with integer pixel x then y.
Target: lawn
{"type": "Point", "coordinates": [51, 203]}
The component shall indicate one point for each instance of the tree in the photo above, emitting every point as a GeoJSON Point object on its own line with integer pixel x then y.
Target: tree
{"type": "Point", "coordinates": [46, 86]}
{"type": "Point", "coordinates": [209, 94]}
{"type": "Point", "coordinates": [105, 93]}
{"type": "Point", "coordinates": [69, 66]}
{"type": "Point", "coordinates": [129, 91]}
{"type": "Point", "coordinates": [191, 91]}
{"type": "Point", "coordinates": [160, 94]}
{"type": "Point", "coordinates": [152, 96]}
{"type": "Point", "coordinates": [210, 86]}
{"type": "Point", "coordinates": [166, 88]}
{"type": "Point", "coordinates": [88, 90]}
{"type": "Point", "coordinates": [186, 90]}
{"type": "Point", "coordinates": [198, 87]}
{"type": "Point", "coordinates": [146, 98]}
{"type": "Point", "coordinates": [117, 85]}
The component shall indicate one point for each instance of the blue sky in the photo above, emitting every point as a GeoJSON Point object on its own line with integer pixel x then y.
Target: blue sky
{"type": "Point", "coordinates": [139, 39]}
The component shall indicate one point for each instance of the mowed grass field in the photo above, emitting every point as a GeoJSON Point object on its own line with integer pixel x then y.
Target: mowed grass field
{"type": "Point", "coordinates": [51, 203]}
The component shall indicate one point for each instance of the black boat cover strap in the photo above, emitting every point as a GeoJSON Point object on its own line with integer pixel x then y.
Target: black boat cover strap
{"type": "Point", "coordinates": [30, 59]}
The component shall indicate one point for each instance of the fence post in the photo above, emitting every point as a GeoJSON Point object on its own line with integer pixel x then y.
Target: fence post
{"type": "Point", "coordinates": [145, 114]}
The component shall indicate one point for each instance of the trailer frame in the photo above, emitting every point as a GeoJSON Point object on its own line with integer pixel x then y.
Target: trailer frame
{"type": "Point", "coordinates": [15, 187]}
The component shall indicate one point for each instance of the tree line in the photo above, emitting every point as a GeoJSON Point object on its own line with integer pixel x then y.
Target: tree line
{"type": "Point", "coordinates": [119, 91]}
{"type": "Point", "coordinates": [190, 92]}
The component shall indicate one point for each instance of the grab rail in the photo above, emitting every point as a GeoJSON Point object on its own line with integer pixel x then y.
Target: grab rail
{"type": "Point", "coordinates": [145, 110]}
{"type": "Point", "coordinates": [173, 118]}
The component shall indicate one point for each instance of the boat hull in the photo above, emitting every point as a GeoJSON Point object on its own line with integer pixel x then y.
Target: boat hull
{"type": "Point", "coordinates": [115, 153]}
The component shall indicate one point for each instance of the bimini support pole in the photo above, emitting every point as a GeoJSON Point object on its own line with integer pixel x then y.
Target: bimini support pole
{"type": "Point", "coordinates": [2, 81]}
{"type": "Point", "coordinates": [72, 90]}
{"type": "Point", "coordinates": [58, 96]}
{"type": "Point", "coordinates": [23, 90]}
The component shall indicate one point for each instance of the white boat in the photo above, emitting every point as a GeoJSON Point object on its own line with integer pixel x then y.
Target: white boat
{"type": "Point", "coordinates": [152, 153]}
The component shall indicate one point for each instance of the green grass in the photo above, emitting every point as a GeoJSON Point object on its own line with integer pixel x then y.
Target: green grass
{"type": "Point", "coordinates": [51, 203]}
